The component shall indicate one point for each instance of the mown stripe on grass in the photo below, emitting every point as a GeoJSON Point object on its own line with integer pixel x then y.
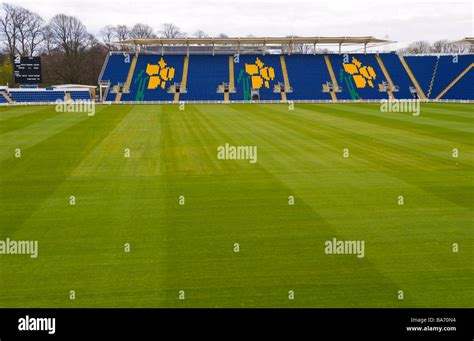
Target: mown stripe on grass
{"type": "Point", "coordinates": [403, 121]}
{"type": "Point", "coordinates": [37, 132]}
{"type": "Point", "coordinates": [273, 240]}
{"type": "Point", "coordinates": [20, 122]}
{"type": "Point", "coordinates": [26, 182]}
{"type": "Point", "coordinates": [392, 158]}
{"type": "Point", "coordinates": [8, 112]}
{"type": "Point", "coordinates": [139, 132]}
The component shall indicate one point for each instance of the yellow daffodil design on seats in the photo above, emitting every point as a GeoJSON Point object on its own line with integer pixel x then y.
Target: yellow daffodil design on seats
{"type": "Point", "coordinates": [362, 75]}
{"type": "Point", "coordinates": [159, 74]}
{"type": "Point", "coordinates": [260, 74]}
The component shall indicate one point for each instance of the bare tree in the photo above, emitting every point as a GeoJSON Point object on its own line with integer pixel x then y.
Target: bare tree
{"type": "Point", "coordinates": [200, 34]}
{"type": "Point", "coordinates": [107, 34]}
{"type": "Point", "coordinates": [20, 20]}
{"type": "Point", "coordinates": [443, 46]}
{"type": "Point", "coordinates": [110, 34]}
{"type": "Point", "coordinates": [21, 30]}
{"type": "Point", "coordinates": [68, 33]}
{"type": "Point", "coordinates": [171, 31]}
{"type": "Point", "coordinates": [34, 32]}
{"type": "Point", "coordinates": [321, 51]}
{"type": "Point", "coordinates": [20, 33]}
{"type": "Point", "coordinates": [47, 36]}
{"type": "Point", "coordinates": [83, 68]}
{"type": "Point", "coordinates": [307, 48]}
{"type": "Point", "coordinates": [69, 53]}
{"type": "Point", "coordinates": [142, 31]}
{"type": "Point", "coordinates": [418, 47]}
{"type": "Point", "coordinates": [296, 48]}
{"type": "Point", "coordinates": [70, 44]}
{"type": "Point", "coordinates": [122, 32]}
{"type": "Point", "coordinates": [9, 29]}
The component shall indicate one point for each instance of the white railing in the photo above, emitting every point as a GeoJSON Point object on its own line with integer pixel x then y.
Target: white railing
{"type": "Point", "coordinates": [241, 102]}
{"type": "Point", "coordinates": [102, 70]}
{"type": "Point", "coordinates": [281, 102]}
{"type": "Point", "coordinates": [436, 54]}
{"type": "Point", "coordinates": [107, 90]}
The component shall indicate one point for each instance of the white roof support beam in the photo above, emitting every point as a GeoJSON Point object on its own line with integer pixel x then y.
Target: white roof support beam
{"type": "Point", "coordinates": [254, 41]}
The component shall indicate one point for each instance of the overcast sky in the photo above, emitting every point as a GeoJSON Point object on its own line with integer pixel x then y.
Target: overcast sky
{"type": "Point", "coordinates": [400, 20]}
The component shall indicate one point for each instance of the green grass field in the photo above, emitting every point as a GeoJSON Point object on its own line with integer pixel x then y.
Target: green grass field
{"type": "Point", "coordinates": [191, 247]}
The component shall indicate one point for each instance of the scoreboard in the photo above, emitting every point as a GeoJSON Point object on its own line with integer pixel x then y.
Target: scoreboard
{"type": "Point", "coordinates": [27, 70]}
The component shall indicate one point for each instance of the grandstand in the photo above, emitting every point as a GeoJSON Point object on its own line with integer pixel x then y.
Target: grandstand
{"type": "Point", "coordinates": [43, 95]}
{"type": "Point", "coordinates": [262, 69]}
{"type": "Point", "coordinates": [231, 70]}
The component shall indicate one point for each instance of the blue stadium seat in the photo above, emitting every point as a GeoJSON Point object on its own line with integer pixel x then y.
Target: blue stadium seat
{"type": "Point", "coordinates": [463, 89]}
{"type": "Point", "coordinates": [80, 94]}
{"type": "Point", "coordinates": [116, 68]}
{"type": "Point", "coordinates": [243, 79]}
{"type": "Point", "coordinates": [398, 75]}
{"type": "Point", "coordinates": [306, 74]}
{"type": "Point", "coordinates": [205, 74]}
{"type": "Point", "coordinates": [3, 100]}
{"type": "Point", "coordinates": [422, 68]}
{"type": "Point", "coordinates": [347, 81]}
{"type": "Point", "coordinates": [449, 68]}
{"type": "Point", "coordinates": [37, 96]}
{"type": "Point", "coordinates": [140, 86]}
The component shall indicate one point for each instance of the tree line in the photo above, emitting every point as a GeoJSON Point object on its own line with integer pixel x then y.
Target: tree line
{"type": "Point", "coordinates": [439, 46]}
{"type": "Point", "coordinates": [71, 54]}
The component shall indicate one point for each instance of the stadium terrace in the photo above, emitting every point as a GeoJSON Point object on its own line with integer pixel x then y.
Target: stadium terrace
{"type": "Point", "coordinates": [230, 70]}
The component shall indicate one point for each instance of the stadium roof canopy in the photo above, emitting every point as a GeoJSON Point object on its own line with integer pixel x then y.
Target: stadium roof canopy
{"type": "Point", "coordinates": [266, 42]}
{"type": "Point", "coordinates": [254, 40]}
{"type": "Point", "coordinates": [467, 40]}
{"type": "Point", "coordinates": [74, 86]}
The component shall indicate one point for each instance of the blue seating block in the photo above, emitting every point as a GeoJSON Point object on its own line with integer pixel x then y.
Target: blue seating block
{"type": "Point", "coordinates": [205, 74]}
{"type": "Point", "coordinates": [306, 74]}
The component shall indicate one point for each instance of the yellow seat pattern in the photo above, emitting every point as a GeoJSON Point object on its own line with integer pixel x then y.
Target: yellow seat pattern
{"type": "Point", "coordinates": [154, 82]}
{"type": "Point", "coordinates": [151, 69]}
{"type": "Point", "coordinates": [159, 74]}
{"type": "Point", "coordinates": [257, 82]}
{"type": "Point", "coordinates": [350, 68]}
{"type": "Point", "coordinates": [271, 73]}
{"type": "Point", "coordinates": [261, 74]}
{"type": "Point", "coordinates": [251, 69]}
{"type": "Point", "coordinates": [362, 75]}
{"type": "Point", "coordinates": [359, 81]}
